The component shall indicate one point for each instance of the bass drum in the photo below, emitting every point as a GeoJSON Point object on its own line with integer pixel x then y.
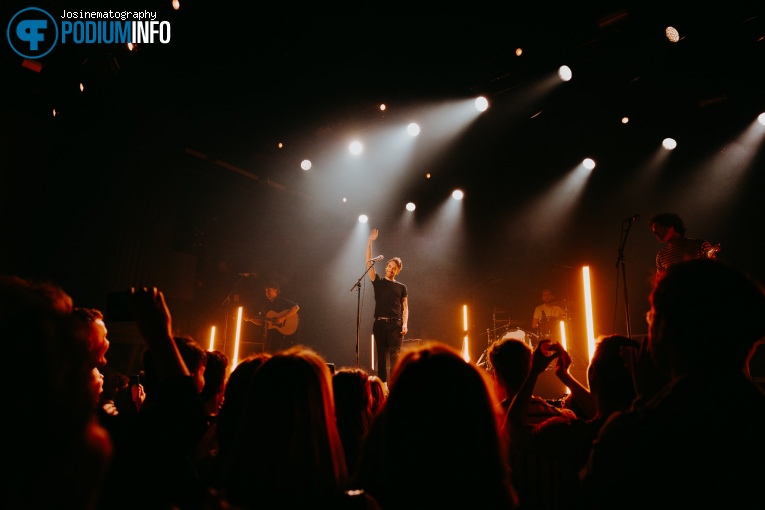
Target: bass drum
{"type": "Point", "coordinates": [516, 333]}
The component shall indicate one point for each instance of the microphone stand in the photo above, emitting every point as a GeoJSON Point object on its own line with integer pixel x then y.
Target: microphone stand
{"type": "Point", "coordinates": [227, 303]}
{"type": "Point", "coordinates": [620, 263]}
{"type": "Point", "coordinates": [357, 286]}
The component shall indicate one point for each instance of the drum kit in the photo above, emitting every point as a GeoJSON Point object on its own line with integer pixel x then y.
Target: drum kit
{"type": "Point", "coordinates": [505, 328]}
{"type": "Point", "coordinates": [508, 328]}
{"type": "Point", "coordinates": [513, 328]}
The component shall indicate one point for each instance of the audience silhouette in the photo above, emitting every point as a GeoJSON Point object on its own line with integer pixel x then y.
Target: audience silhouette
{"type": "Point", "coordinates": [379, 393]}
{"type": "Point", "coordinates": [546, 457]}
{"type": "Point", "coordinates": [510, 359]}
{"type": "Point", "coordinates": [353, 409]}
{"type": "Point", "coordinates": [152, 465]}
{"type": "Point", "coordinates": [436, 443]}
{"type": "Point", "coordinates": [57, 452]}
{"type": "Point", "coordinates": [699, 442]}
{"type": "Point", "coordinates": [286, 451]}
{"type": "Point", "coordinates": [675, 421]}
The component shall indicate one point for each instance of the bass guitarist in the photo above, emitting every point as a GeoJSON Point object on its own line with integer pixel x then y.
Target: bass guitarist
{"type": "Point", "coordinates": [277, 313]}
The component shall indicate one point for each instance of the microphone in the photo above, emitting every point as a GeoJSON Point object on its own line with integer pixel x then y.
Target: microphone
{"type": "Point", "coordinates": [379, 257]}
{"type": "Point", "coordinates": [245, 275]}
{"type": "Point", "coordinates": [635, 217]}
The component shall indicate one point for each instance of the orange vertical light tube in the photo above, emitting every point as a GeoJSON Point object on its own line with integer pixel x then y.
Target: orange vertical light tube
{"type": "Point", "coordinates": [465, 342]}
{"type": "Point", "coordinates": [372, 351]}
{"type": "Point", "coordinates": [238, 336]}
{"type": "Point", "coordinates": [212, 339]}
{"type": "Point", "coordinates": [588, 312]}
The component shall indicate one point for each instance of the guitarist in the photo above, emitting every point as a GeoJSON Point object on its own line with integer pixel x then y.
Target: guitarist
{"type": "Point", "coordinates": [280, 309]}
{"type": "Point", "coordinates": [668, 228]}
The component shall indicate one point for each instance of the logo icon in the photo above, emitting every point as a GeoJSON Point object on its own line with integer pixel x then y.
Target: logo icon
{"type": "Point", "coordinates": [32, 33]}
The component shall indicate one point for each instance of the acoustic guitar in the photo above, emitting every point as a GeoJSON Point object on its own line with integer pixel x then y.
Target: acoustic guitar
{"type": "Point", "coordinates": [287, 327]}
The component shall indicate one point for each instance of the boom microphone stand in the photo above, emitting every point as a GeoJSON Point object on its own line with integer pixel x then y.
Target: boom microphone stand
{"type": "Point", "coordinates": [357, 286]}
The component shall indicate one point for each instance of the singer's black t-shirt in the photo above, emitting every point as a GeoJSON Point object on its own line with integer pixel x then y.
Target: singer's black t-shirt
{"type": "Point", "coordinates": [388, 296]}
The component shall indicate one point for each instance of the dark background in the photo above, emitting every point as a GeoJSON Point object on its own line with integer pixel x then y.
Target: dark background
{"type": "Point", "coordinates": [166, 170]}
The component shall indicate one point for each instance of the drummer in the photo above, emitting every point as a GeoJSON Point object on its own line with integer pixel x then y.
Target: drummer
{"type": "Point", "coordinates": [547, 316]}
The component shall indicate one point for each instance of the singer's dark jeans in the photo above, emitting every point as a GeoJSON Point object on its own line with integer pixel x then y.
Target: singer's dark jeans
{"type": "Point", "coordinates": [388, 340]}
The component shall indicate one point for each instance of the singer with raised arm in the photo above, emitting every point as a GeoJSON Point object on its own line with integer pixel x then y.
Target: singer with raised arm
{"type": "Point", "coordinates": [391, 310]}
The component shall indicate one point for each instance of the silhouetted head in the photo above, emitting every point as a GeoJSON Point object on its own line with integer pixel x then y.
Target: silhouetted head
{"type": "Point", "coordinates": [705, 315]}
{"type": "Point", "coordinates": [511, 360]}
{"type": "Point", "coordinates": [608, 376]}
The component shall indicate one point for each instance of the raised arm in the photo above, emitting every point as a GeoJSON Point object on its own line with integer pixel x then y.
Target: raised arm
{"type": "Point", "coordinates": [518, 411]}
{"type": "Point", "coordinates": [579, 393]}
{"type": "Point", "coordinates": [155, 324]}
{"type": "Point", "coordinates": [370, 240]}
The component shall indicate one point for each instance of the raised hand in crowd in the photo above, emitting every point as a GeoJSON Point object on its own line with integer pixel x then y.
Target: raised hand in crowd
{"type": "Point", "coordinates": [579, 395]}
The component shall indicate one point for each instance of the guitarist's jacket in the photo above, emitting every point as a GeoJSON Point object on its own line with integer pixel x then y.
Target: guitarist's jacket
{"type": "Point", "coordinates": [277, 305]}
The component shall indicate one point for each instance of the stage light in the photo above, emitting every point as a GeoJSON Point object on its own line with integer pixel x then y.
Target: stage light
{"type": "Point", "coordinates": [410, 206]}
{"type": "Point", "coordinates": [82, 87]}
{"type": "Point", "coordinates": [669, 144]}
{"type": "Point", "coordinates": [457, 194]}
{"type": "Point", "coordinates": [355, 147]}
{"type": "Point", "coordinates": [363, 218]}
{"type": "Point", "coordinates": [625, 120]}
{"type": "Point", "coordinates": [413, 129]}
{"type": "Point", "coordinates": [761, 119]}
{"type": "Point", "coordinates": [518, 52]}
{"type": "Point", "coordinates": [565, 73]}
{"type": "Point", "coordinates": [382, 107]}
{"type": "Point", "coordinates": [588, 164]}
{"type": "Point", "coordinates": [481, 104]}
{"type": "Point", "coordinates": [672, 34]}
{"type": "Point", "coordinates": [305, 164]}
{"type": "Point", "coordinates": [176, 4]}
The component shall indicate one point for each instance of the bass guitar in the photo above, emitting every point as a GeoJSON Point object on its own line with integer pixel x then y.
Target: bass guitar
{"type": "Point", "coordinates": [286, 326]}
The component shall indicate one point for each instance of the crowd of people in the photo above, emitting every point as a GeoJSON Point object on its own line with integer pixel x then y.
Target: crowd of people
{"type": "Point", "coordinates": [672, 421]}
